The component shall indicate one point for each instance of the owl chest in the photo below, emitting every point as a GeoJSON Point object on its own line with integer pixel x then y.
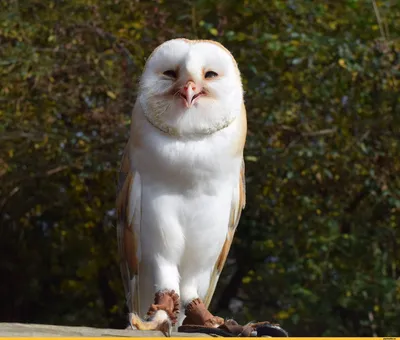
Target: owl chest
{"type": "Point", "coordinates": [188, 163]}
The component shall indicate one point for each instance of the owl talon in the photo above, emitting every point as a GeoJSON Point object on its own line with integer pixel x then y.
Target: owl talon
{"type": "Point", "coordinates": [162, 314]}
{"type": "Point", "coordinates": [197, 314]}
{"type": "Point", "coordinates": [160, 321]}
{"type": "Point", "coordinates": [168, 301]}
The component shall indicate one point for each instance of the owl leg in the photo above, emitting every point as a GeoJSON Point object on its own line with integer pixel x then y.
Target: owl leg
{"type": "Point", "coordinates": [162, 314]}
{"type": "Point", "coordinates": [194, 285]}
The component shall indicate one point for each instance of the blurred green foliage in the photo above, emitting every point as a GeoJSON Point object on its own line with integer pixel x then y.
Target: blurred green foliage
{"type": "Point", "coordinates": [318, 247]}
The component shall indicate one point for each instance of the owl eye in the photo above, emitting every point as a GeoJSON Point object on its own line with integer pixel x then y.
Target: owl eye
{"type": "Point", "coordinates": [210, 74]}
{"type": "Point", "coordinates": [170, 73]}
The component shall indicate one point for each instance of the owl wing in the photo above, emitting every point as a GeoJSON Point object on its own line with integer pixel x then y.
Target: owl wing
{"type": "Point", "coordinates": [238, 203]}
{"type": "Point", "coordinates": [128, 229]}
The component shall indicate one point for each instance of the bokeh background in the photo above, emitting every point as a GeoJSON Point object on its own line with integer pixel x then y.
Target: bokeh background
{"type": "Point", "coordinates": [318, 246]}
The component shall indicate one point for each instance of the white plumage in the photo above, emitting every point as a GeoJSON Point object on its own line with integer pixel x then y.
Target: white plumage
{"type": "Point", "coordinates": [182, 177]}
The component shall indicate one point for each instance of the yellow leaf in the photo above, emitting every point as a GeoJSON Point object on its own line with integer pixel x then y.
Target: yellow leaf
{"type": "Point", "coordinates": [333, 25]}
{"type": "Point", "coordinates": [282, 315]}
{"type": "Point", "coordinates": [114, 309]}
{"type": "Point", "coordinates": [246, 279]}
{"type": "Point", "coordinates": [241, 36]}
{"type": "Point", "coordinates": [214, 31]}
{"type": "Point", "coordinates": [342, 63]}
{"type": "Point", "coordinates": [111, 94]}
{"type": "Point", "coordinates": [89, 225]}
{"type": "Point", "coordinates": [251, 158]}
{"type": "Point", "coordinates": [269, 244]}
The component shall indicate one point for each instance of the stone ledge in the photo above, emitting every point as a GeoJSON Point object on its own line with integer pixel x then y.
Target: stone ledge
{"type": "Point", "coordinates": [35, 330]}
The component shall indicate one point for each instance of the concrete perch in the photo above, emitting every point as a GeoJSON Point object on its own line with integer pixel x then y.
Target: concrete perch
{"type": "Point", "coordinates": [34, 330]}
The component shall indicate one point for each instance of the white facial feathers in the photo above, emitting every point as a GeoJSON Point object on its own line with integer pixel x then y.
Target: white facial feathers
{"type": "Point", "coordinates": [191, 88]}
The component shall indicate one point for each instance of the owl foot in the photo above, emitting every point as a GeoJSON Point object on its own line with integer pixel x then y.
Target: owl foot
{"type": "Point", "coordinates": [160, 321]}
{"type": "Point", "coordinates": [197, 314]}
{"type": "Point", "coordinates": [162, 314]}
{"type": "Point", "coordinates": [200, 320]}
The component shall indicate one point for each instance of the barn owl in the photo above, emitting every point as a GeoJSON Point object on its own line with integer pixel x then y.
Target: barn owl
{"type": "Point", "coordinates": [181, 183]}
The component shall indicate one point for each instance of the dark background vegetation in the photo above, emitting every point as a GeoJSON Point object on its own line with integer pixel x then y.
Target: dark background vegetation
{"type": "Point", "coordinates": [318, 247]}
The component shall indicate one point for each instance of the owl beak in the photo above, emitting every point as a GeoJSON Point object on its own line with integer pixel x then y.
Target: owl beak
{"type": "Point", "coordinates": [190, 93]}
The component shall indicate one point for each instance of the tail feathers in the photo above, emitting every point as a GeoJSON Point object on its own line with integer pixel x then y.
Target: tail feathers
{"type": "Point", "coordinates": [134, 302]}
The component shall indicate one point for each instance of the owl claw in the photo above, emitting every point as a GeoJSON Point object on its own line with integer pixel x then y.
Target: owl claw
{"type": "Point", "coordinates": [160, 321]}
{"type": "Point", "coordinates": [168, 333]}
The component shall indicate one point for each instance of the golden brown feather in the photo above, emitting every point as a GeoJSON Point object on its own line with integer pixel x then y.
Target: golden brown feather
{"type": "Point", "coordinates": [236, 210]}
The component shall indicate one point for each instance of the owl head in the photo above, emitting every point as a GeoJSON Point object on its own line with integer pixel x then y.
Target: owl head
{"type": "Point", "coordinates": [191, 87]}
